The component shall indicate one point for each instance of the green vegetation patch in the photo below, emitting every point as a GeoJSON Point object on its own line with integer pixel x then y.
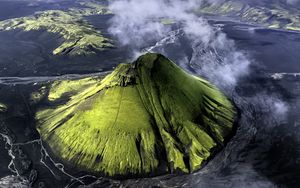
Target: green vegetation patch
{"type": "Point", "coordinates": [90, 8]}
{"type": "Point", "coordinates": [80, 38]}
{"type": "Point", "coordinates": [274, 16]}
{"type": "Point", "coordinates": [3, 108]}
{"type": "Point", "coordinates": [145, 118]}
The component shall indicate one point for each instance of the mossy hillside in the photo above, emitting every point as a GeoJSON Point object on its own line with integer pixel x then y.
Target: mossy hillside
{"type": "Point", "coordinates": [80, 38]}
{"type": "Point", "coordinates": [166, 21]}
{"type": "Point", "coordinates": [272, 16]}
{"type": "Point", "coordinates": [90, 8]}
{"type": "Point", "coordinates": [148, 117]}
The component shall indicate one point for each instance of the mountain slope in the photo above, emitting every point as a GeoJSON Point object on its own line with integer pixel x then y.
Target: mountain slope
{"type": "Point", "coordinates": [149, 117]}
{"type": "Point", "coordinates": [271, 13]}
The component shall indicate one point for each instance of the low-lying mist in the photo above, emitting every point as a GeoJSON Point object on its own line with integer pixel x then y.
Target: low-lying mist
{"type": "Point", "coordinates": [137, 23]}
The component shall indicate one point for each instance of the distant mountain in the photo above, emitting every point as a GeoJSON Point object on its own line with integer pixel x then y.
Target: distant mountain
{"type": "Point", "coordinates": [277, 14]}
{"type": "Point", "coordinates": [80, 38]}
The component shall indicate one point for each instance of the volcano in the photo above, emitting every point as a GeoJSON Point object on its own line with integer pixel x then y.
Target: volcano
{"type": "Point", "coordinates": [146, 118]}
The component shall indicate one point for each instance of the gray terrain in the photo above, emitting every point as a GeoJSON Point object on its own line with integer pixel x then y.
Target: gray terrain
{"type": "Point", "coordinates": [255, 65]}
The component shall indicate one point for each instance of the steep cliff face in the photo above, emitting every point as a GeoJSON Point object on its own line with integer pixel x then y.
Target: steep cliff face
{"type": "Point", "coordinates": [145, 118]}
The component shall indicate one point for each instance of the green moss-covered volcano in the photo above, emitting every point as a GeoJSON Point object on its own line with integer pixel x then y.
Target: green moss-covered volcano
{"type": "Point", "coordinates": [149, 117]}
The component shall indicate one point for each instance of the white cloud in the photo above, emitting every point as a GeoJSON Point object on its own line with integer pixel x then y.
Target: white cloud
{"type": "Point", "coordinates": [137, 23]}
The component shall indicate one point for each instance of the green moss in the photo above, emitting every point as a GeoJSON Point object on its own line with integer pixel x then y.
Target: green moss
{"type": "Point", "coordinates": [80, 38]}
{"type": "Point", "coordinates": [166, 21]}
{"type": "Point", "coordinates": [62, 88]}
{"type": "Point", "coordinates": [293, 28]}
{"type": "Point", "coordinates": [221, 8]}
{"type": "Point", "coordinates": [274, 16]}
{"type": "Point", "coordinates": [144, 118]}
{"type": "Point", "coordinates": [91, 8]}
{"type": "Point", "coordinates": [37, 96]}
{"type": "Point", "coordinates": [3, 108]}
{"type": "Point", "coordinates": [275, 25]}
